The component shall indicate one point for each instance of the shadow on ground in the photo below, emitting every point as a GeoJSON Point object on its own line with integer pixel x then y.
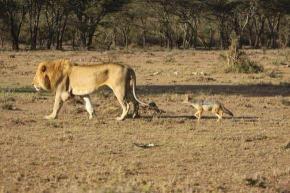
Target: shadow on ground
{"type": "Point", "coordinates": [238, 118]}
{"type": "Point", "coordinates": [246, 90]}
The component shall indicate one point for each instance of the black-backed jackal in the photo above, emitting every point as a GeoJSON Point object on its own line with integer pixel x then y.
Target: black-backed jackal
{"type": "Point", "coordinates": [213, 106]}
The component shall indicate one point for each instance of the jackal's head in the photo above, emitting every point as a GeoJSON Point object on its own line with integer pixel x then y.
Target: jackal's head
{"type": "Point", "coordinates": [187, 99]}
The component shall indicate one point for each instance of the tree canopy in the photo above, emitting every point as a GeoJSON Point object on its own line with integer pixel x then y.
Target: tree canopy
{"type": "Point", "coordinates": [109, 24]}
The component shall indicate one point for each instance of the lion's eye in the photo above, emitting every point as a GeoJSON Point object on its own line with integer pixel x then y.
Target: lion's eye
{"type": "Point", "coordinates": [43, 68]}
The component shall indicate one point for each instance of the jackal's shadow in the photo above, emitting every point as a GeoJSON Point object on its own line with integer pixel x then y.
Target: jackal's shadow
{"type": "Point", "coordinates": [190, 117]}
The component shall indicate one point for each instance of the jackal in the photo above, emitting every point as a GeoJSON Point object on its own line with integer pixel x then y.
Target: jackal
{"type": "Point", "coordinates": [214, 106]}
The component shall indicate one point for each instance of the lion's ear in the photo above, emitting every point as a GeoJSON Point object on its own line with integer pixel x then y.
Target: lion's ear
{"type": "Point", "coordinates": [43, 68]}
{"type": "Point", "coordinates": [47, 82]}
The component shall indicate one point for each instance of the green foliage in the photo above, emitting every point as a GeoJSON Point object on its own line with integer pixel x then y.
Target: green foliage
{"type": "Point", "coordinates": [109, 24]}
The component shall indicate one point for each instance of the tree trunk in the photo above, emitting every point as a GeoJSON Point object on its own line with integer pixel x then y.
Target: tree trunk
{"type": "Point", "coordinates": [15, 37]}
{"type": "Point", "coordinates": [2, 41]}
{"type": "Point", "coordinates": [61, 34]}
{"type": "Point", "coordinates": [50, 26]}
{"type": "Point", "coordinates": [143, 38]}
{"type": "Point", "coordinates": [259, 27]}
{"type": "Point", "coordinates": [222, 33]}
{"type": "Point", "coordinates": [273, 24]}
{"type": "Point", "coordinates": [90, 38]}
{"type": "Point", "coordinates": [15, 44]}
{"type": "Point", "coordinates": [15, 30]}
{"type": "Point", "coordinates": [210, 39]}
{"type": "Point", "coordinates": [125, 37]}
{"type": "Point", "coordinates": [34, 16]}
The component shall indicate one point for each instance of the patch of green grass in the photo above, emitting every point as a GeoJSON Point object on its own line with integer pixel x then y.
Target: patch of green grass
{"type": "Point", "coordinates": [222, 56]}
{"type": "Point", "coordinates": [7, 106]}
{"type": "Point", "coordinates": [257, 181]}
{"type": "Point", "coordinates": [275, 74]}
{"type": "Point", "coordinates": [149, 62]}
{"type": "Point", "coordinates": [279, 62]}
{"type": "Point", "coordinates": [7, 101]}
{"type": "Point", "coordinates": [170, 59]}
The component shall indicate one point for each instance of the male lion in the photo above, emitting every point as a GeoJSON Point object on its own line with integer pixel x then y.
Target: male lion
{"type": "Point", "coordinates": [67, 79]}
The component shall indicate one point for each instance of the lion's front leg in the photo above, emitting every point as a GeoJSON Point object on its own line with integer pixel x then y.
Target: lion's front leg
{"type": "Point", "coordinates": [56, 107]}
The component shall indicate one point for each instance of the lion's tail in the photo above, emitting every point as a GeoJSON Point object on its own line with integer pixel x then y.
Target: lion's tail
{"type": "Point", "coordinates": [133, 79]}
{"type": "Point", "coordinates": [152, 105]}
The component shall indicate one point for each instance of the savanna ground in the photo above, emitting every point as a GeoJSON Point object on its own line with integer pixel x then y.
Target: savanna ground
{"type": "Point", "coordinates": [248, 153]}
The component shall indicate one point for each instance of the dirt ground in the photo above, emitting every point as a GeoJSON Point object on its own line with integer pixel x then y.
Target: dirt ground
{"type": "Point", "coordinates": [247, 153]}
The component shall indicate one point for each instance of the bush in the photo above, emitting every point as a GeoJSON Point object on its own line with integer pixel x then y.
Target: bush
{"type": "Point", "coordinates": [245, 65]}
{"type": "Point", "coordinates": [238, 61]}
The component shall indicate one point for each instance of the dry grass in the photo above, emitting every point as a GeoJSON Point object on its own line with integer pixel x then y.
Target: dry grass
{"type": "Point", "coordinates": [72, 154]}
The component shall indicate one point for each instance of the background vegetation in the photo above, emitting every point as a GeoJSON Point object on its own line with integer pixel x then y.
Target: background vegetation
{"type": "Point", "coordinates": [112, 24]}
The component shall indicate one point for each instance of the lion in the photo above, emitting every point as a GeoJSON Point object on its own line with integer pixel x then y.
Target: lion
{"type": "Point", "coordinates": [67, 79]}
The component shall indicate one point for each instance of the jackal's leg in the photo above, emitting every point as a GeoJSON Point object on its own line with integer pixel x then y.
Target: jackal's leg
{"type": "Point", "coordinates": [219, 116]}
{"type": "Point", "coordinates": [198, 114]}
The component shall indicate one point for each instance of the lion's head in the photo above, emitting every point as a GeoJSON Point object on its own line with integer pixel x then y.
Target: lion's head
{"type": "Point", "coordinates": [49, 74]}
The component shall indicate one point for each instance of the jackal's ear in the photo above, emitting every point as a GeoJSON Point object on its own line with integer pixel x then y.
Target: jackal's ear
{"type": "Point", "coordinates": [187, 97]}
{"type": "Point", "coordinates": [185, 100]}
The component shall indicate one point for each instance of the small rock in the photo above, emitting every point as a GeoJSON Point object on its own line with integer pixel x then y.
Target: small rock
{"type": "Point", "coordinates": [145, 146]}
{"type": "Point", "coordinates": [155, 73]}
{"type": "Point", "coordinates": [194, 73]}
{"type": "Point", "coordinates": [203, 73]}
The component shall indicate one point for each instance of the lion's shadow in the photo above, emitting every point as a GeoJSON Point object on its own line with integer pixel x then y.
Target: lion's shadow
{"type": "Point", "coordinates": [246, 90]}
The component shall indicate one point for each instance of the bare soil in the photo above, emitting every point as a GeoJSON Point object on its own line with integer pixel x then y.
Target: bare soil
{"type": "Point", "coordinates": [247, 153]}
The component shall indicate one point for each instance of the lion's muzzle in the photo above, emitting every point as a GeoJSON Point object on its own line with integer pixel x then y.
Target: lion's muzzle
{"type": "Point", "coordinates": [36, 88]}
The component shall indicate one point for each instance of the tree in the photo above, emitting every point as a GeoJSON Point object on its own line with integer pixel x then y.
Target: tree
{"type": "Point", "coordinates": [13, 14]}
{"type": "Point", "coordinates": [56, 16]}
{"type": "Point", "coordinates": [189, 12]}
{"type": "Point", "coordinates": [34, 11]}
{"type": "Point", "coordinates": [164, 10]}
{"type": "Point", "coordinates": [90, 13]}
{"type": "Point", "coordinates": [222, 10]}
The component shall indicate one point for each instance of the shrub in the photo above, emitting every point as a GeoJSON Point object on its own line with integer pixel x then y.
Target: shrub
{"type": "Point", "coordinates": [238, 61]}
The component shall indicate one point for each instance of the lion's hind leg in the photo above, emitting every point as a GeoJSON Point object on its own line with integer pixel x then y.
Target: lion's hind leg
{"type": "Point", "coordinates": [89, 106]}
{"type": "Point", "coordinates": [121, 96]}
{"type": "Point", "coordinates": [125, 109]}
{"type": "Point", "coordinates": [135, 105]}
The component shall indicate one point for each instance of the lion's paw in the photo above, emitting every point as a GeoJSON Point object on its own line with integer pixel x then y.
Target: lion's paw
{"type": "Point", "coordinates": [120, 118]}
{"type": "Point", "coordinates": [49, 117]}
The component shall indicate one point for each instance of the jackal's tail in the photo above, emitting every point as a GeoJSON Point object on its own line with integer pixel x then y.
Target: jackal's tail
{"type": "Point", "coordinates": [227, 111]}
